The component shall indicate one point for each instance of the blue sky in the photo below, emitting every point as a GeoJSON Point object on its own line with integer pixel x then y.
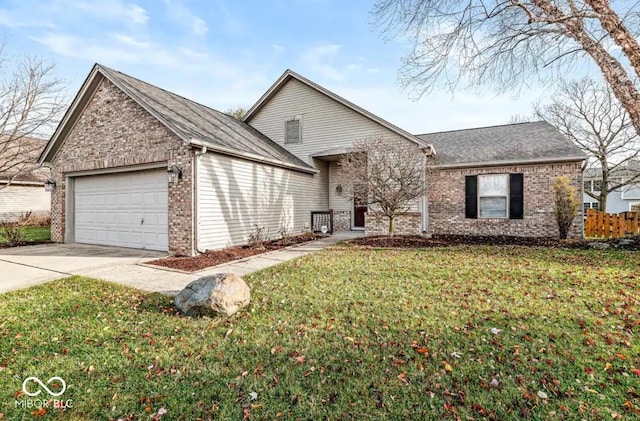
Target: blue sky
{"type": "Point", "coordinates": [227, 53]}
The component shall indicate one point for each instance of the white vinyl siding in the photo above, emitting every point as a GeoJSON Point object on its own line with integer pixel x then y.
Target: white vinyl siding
{"type": "Point", "coordinates": [128, 209]}
{"type": "Point", "coordinates": [337, 202]}
{"type": "Point", "coordinates": [16, 200]}
{"type": "Point", "coordinates": [327, 124]}
{"type": "Point", "coordinates": [235, 195]}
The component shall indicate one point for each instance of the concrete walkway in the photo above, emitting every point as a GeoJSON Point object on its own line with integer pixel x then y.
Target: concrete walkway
{"type": "Point", "coordinates": [21, 267]}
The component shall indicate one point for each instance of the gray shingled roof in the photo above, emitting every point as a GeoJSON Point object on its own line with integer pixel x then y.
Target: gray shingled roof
{"type": "Point", "coordinates": [537, 141]}
{"type": "Point", "coordinates": [20, 160]}
{"type": "Point", "coordinates": [196, 122]}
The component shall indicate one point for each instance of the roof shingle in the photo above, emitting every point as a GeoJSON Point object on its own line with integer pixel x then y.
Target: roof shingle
{"type": "Point", "coordinates": [537, 141]}
{"type": "Point", "coordinates": [196, 122]}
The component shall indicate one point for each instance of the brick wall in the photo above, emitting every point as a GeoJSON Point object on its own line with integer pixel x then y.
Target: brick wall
{"type": "Point", "coordinates": [407, 223]}
{"type": "Point", "coordinates": [114, 131]}
{"type": "Point", "coordinates": [341, 220]}
{"type": "Point", "coordinates": [447, 200]}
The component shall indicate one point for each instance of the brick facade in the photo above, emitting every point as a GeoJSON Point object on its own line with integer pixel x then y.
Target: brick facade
{"type": "Point", "coordinates": [114, 131]}
{"type": "Point", "coordinates": [341, 220]}
{"type": "Point", "coordinates": [407, 223]}
{"type": "Point", "coordinates": [447, 202]}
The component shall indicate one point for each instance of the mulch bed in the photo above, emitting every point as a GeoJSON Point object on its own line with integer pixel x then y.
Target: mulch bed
{"type": "Point", "coordinates": [230, 254]}
{"type": "Point", "coordinates": [416, 241]}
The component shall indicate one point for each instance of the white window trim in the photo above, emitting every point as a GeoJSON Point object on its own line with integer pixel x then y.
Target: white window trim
{"type": "Point", "coordinates": [632, 204]}
{"type": "Point", "coordinates": [507, 197]}
{"type": "Point", "coordinates": [297, 117]}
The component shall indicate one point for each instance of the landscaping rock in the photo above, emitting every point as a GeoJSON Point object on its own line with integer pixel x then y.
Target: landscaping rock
{"type": "Point", "coordinates": [599, 246]}
{"type": "Point", "coordinates": [221, 294]}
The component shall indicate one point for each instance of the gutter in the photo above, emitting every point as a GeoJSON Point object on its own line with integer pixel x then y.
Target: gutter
{"type": "Point", "coordinates": [196, 198]}
{"type": "Point", "coordinates": [515, 162]}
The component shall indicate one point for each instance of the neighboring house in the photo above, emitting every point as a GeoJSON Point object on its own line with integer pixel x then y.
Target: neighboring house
{"type": "Point", "coordinates": [25, 193]}
{"type": "Point", "coordinates": [624, 199]}
{"type": "Point", "coordinates": [137, 166]}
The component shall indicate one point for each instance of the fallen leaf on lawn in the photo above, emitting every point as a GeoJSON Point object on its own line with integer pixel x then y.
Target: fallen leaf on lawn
{"type": "Point", "coordinates": [608, 367]}
{"type": "Point", "coordinates": [621, 356]}
{"type": "Point", "coordinates": [447, 367]}
{"type": "Point", "coordinates": [456, 355]}
{"type": "Point", "coordinates": [588, 370]}
{"type": "Point", "coordinates": [402, 377]}
{"type": "Point", "coordinates": [635, 371]}
{"type": "Point", "coordinates": [253, 396]}
{"type": "Point", "coordinates": [229, 332]}
{"type": "Point", "coordinates": [40, 412]}
{"type": "Point", "coordinates": [422, 350]}
{"type": "Point", "coordinates": [300, 359]}
{"type": "Point", "coordinates": [495, 330]}
{"type": "Point", "coordinates": [542, 395]}
{"type": "Point", "coordinates": [495, 383]}
{"type": "Point", "coordinates": [18, 394]}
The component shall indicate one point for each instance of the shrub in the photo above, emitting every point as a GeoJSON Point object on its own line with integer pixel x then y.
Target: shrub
{"type": "Point", "coordinates": [258, 236]}
{"type": "Point", "coordinates": [566, 204]}
{"type": "Point", "coordinates": [12, 234]}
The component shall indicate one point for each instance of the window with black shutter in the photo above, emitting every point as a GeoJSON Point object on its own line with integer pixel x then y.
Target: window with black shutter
{"type": "Point", "coordinates": [471, 197]}
{"type": "Point", "coordinates": [494, 196]}
{"type": "Point", "coordinates": [516, 196]}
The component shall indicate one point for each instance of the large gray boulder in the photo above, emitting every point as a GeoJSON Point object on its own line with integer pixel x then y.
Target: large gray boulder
{"type": "Point", "coordinates": [224, 293]}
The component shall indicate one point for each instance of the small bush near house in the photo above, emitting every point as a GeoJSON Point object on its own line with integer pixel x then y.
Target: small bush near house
{"type": "Point", "coordinates": [257, 236]}
{"type": "Point", "coordinates": [566, 204]}
{"type": "Point", "coordinates": [12, 234]}
{"type": "Point", "coordinates": [30, 219]}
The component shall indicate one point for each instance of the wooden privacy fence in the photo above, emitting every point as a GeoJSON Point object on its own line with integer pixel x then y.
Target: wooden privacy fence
{"type": "Point", "coordinates": [610, 225]}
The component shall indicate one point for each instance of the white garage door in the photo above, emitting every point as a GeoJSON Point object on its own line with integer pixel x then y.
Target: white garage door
{"type": "Point", "coordinates": [123, 209]}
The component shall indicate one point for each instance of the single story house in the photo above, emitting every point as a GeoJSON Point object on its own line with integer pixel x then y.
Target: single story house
{"type": "Point", "coordinates": [623, 199]}
{"type": "Point", "coordinates": [22, 189]}
{"type": "Point", "coordinates": [137, 166]}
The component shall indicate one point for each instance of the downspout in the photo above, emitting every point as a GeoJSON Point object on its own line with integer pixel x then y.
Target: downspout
{"type": "Point", "coordinates": [196, 215]}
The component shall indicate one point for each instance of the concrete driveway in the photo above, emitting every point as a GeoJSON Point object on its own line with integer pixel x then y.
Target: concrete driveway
{"type": "Point", "coordinates": [21, 267]}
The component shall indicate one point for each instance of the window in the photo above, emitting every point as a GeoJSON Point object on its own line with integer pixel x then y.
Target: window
{"type": "Point", "coordinates": [591, 205]}
{"type": "Point", "coordinates": [293, 130]}
{"type": "Point", "coordinates": [494, 196]}
{"type": "Point", "coordinates": [587, 185]}
{"type": "Point", "coordinates": [634, 207]}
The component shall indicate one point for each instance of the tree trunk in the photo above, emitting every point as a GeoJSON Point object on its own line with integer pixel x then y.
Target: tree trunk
{"type": "Point", "coordinates": [604, 189]}
{"type": "Point", "coordinates": [615, 27]}
{"type": "Point", "coordinates": [602, 200]}
{"type": "Point", "coordinates": [612, 70]}
{"type": "Point", "coordinates": [391, 226]}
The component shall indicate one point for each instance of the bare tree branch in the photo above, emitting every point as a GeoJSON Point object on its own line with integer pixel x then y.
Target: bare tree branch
{"type": "Point", "coordinates": [31, 102]}
{"type": "Point", "coordinates": [508, 43]}
{"type": "Point", "coordinates": [387, 174]}
{"type": "Point", "coordinates": [589, 114]}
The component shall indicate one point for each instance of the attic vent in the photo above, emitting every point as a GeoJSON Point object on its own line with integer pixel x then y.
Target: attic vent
{"type": "Point", "coordinates": [293, 131]}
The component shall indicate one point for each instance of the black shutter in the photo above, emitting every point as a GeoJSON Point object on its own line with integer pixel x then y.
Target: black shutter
{"type": "Point", "coordinates": [516, 196]}
{"type": "Point", "coordinates": [471, 196]}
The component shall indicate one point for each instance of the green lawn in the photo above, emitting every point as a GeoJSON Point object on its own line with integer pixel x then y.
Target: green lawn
{"type": "Point", "coordinates": [346, 333]}
{"type": "Point", "coordinates": [31, 234]}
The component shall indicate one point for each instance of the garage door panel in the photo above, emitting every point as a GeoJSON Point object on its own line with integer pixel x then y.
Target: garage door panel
{"type": "Point", "coordinates": [123, 209]}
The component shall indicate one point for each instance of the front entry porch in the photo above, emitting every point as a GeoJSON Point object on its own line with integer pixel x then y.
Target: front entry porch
{"type": "Point", "coordinates": [344, 214]}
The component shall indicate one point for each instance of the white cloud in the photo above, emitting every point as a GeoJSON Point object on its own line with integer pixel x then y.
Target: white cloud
{"type": "Point", "coordinates": [111, 9]}
{"type": "Point", "coordinates": [318, 59]}
{"type": "Point", "coordinates": [14, 20]}
{"type": "Point", "coordinates": [181, 14]}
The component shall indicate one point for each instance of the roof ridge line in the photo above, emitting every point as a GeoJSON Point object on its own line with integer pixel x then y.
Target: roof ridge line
{"type": "Point", "coordinates": [482, 127]}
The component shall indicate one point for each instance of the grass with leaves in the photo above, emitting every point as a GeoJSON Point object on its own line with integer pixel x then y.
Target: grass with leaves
{"type": "Point", "coordinates": [454, 333]}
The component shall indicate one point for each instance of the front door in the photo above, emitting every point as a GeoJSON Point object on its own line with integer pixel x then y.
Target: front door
{"type": "Point", "coordinates": [358, 215]}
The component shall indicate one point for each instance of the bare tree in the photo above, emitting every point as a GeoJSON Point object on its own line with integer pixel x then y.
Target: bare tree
{"type": "Point", "coordinates": [588, 114]}
{"type": "Point", "coordinates": [237, 112]}
{"type": "Point", "coordinates": [507, 42]}
{"type": "Point", "coordinates": [31, 101]}
{"type": "Point", "coordinates": [386, 174]}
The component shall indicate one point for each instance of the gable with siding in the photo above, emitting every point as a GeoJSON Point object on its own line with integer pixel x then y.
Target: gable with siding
{"type": "Point", "coordinates": [327, 124]}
